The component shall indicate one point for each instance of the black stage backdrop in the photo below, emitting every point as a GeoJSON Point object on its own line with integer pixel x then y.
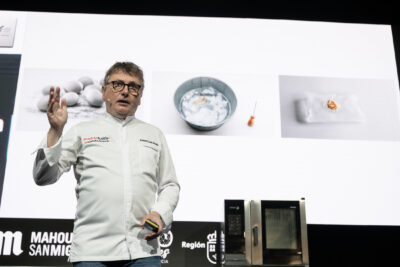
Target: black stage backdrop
{"type": "Point", "coordinates": [47, 242]}
{"type": "Point", "coordinates": [9, 71]}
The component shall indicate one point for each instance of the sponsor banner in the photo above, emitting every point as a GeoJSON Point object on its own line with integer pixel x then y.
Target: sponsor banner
{"type": "Point", "coordinates": [47, 242]}
{"type": "Point", "coordinates": [35, 242]}
{"type": "Point", "coordinates": [192, 244]}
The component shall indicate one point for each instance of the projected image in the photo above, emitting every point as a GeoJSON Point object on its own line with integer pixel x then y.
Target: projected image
{"type": "Point", "coordinates": [213, 104]}
{"type": "Point", "coordinates": [339, 108]}
{"type": "Point", "coordinates": [80, 88]}
{"type": "Point", "coordinates": [205, 103]}
{"type": "Point", "coordinates": [8, 26]}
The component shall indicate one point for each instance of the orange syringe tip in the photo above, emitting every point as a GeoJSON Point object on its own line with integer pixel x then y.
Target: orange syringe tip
{"type": "Point", "coordinates": [251, 121]}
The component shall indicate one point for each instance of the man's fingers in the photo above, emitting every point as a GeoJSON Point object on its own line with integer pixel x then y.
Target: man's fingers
{"type": "Point", "coordinates": [151, 236]}
{"type": "Point", "coordinates": [51, 93]}
{"type": "Point", "coordinates": [154, 217]}
{"type": "Point", "coordinates": [57, 96]}
{"type": "Point", "coordinates": [50, 103]}
{"type": "Point", "coordinates": [54, 99]}
{"type": "Point", "coordinates": [63, 103]}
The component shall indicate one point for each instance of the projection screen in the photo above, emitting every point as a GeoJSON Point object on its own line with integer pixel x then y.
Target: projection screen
{"type": "Point", "coordinates": [341, 156]}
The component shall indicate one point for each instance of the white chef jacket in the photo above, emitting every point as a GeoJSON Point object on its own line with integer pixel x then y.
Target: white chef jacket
{"type": "Point", "coordinates": [120, 167]}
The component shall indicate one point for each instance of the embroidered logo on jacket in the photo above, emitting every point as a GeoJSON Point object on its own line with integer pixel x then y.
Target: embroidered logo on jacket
{"type": "Point", "coordinates": [97, 139]}
{"type": "Point", "coordinates": [148, 141]}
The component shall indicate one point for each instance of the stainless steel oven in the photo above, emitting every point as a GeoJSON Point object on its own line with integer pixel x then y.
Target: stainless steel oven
{"type": "Point", "coordinates": [265, 232]}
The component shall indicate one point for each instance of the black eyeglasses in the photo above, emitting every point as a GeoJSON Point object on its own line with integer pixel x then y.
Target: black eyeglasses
{"type": "Point", "coordinates": [118, 86]}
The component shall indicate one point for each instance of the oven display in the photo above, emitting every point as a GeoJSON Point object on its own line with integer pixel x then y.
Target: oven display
{"type": "Point", "coordinates": [234, 224]}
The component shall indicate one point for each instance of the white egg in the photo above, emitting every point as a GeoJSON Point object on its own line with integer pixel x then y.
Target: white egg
{"type": "Point", "coordinates": [93, 97]}
{"type": "Point", "coordinates": [42, 103]}
{"type": "Point", "coordinates": [93, 86]}
{"type": "Point", "coordinates": [46, 90]}
{"type": "Point", "coordinates": [73, 86]}
{"type": "Point", "coordinates": [85, 80]}
{"type": "Point", "coordinates": [71, 98]}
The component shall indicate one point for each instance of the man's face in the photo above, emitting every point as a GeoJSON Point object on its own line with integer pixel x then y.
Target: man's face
{"type": "Point", "coordinates": [121, 104]}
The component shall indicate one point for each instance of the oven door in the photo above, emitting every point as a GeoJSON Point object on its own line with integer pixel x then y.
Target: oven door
{"type": "Point", "coordinates": [281, 233]}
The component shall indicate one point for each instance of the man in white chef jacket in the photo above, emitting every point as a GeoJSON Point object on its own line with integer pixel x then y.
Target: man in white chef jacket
{"type": "Point", "coordinates": [124, 173]}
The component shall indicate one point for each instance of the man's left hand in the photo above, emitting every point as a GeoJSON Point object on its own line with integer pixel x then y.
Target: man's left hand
{"type": "Point", "coordinates": [155, 217]}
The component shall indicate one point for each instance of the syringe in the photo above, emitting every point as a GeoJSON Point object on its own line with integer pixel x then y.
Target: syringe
{"type": "Point", "coordinates": [252, 117]}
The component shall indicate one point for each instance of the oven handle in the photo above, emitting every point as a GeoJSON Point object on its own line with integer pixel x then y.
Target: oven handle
{"type": "Point", "coordinates": [255, 235]}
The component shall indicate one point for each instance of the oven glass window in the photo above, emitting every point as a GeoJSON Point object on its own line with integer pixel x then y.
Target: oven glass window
{"type": "Point", "coordinates": [281, 231]}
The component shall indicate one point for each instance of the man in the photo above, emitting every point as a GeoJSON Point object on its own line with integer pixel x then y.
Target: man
{"type": "Point", "coordinates": [120, 164]}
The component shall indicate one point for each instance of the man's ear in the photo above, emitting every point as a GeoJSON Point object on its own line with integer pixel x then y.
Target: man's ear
{"type": "Point", "coordinates": [140, 97]}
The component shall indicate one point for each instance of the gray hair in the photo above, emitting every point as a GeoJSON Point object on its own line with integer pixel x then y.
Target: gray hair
{"type": "Point", "coordinates": [126, 67]}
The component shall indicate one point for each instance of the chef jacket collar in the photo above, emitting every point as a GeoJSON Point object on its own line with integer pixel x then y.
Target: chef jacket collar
{"type": "Point", "coordinates": [118, 120]}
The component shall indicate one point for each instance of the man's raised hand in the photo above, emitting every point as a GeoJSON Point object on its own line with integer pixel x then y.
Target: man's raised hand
{"type": "Point", "coordinates": [57, 115]}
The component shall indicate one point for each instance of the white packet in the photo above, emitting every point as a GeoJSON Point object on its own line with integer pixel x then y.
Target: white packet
{"type": "Point", "coordinates": [315, 108]}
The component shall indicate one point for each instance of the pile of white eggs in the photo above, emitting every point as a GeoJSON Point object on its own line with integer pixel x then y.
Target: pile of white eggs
{"type": "Point", "coordinates": [73, 91]}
